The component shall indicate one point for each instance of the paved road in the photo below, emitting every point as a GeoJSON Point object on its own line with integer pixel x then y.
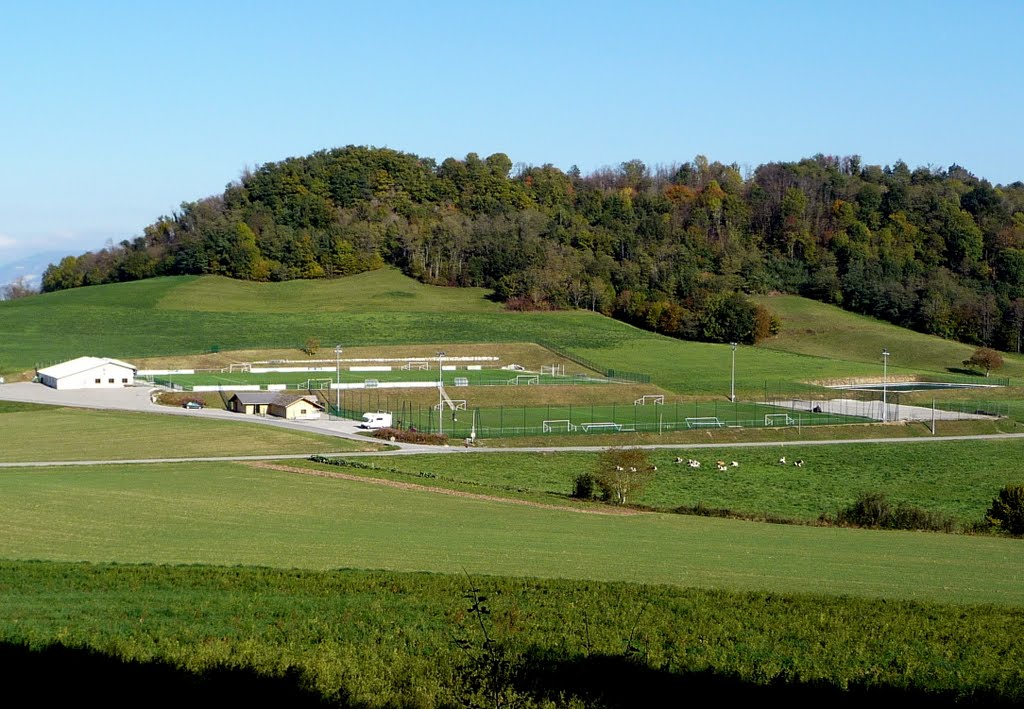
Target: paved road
{"type": "Point", "coordinates": [139, 399]}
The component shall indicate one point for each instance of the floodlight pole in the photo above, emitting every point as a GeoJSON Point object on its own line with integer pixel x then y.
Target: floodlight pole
{"type": "Point", "coordinates": [440, 388]}
{"type": "Point", "coordinates": [885, 385]}
{"type": "Point", "coordinates": [337, 380]}
{"type": "Point", "coordinates": [732, 384]}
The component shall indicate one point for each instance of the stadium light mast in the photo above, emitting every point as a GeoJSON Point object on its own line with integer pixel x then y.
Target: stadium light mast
{"type": "Point", "coordinates": [732, 382]}
{"type": "Point", "coordinates": [337, 380]}
{"type": "Point", "coordinates": [885, 385]}
{"type": "Point", "coordinates": [440, 391]}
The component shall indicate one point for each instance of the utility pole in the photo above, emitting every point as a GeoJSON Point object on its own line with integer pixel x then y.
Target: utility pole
{"type": "Point", "coordinates": [885, 385]}
{"type": "Point", "coordinates": [440, 391]}
{"type": "Point", "coordinates": [337, 380]}
{"type": "Point", "coordinates": [732, 384]}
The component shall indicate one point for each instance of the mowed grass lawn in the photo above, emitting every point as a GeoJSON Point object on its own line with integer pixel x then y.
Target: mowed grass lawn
{"type": "Point", "coordinates": [187, 315]}
{"type": "Point", "coordinates": [235, 514]}
{"type": "Point", "coordinates": [958, 478]}
{"type": "Point", "coordinates": [44, 433]}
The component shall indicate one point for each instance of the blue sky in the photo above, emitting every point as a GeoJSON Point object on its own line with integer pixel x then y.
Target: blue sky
{"type": "Point", "coordinates": [114, 113]}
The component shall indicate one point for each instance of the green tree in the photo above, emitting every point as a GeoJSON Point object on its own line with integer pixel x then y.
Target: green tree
{"type": "Point", "coordinates": [1007, 510]}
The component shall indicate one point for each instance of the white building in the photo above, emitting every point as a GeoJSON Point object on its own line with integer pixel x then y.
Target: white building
{"type": "Point", "coordinates": [88, 373]}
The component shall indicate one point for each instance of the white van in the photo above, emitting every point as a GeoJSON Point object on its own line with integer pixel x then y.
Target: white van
{"type": "Point", "coordinates": [376, 419]}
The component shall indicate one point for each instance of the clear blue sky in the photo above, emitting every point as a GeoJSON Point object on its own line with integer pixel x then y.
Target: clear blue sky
{"type": "Point", "coordinates": [113, 113]}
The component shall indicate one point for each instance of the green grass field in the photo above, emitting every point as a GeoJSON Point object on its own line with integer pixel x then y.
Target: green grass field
{"type": "Point", "coordinates": [958, 478]}
{"type": "Point", "coordinates": [231, 514]}
{"type": "Point", "coordinates": [40, 433]}
{"type": "Point", "coordinates": [385, 639]}
{"type": "Point", "coordinates": [594, 419]}
{"type": "Point", "coordinates": [185, 315]}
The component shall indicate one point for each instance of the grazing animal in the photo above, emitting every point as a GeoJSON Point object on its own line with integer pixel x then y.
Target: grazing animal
{"type": "Point", "coordinates": [719, 462]}
{"type": "Point", "coordinates": [654, 468]}
{"type": "Point", "coordinates": [798, 463]}
{"type": "Point", "coordinates": [735, 464]}
{"type": "Point", "coordinates": [782, 460]}
{"type": "Point", "coordinates": [679, 460]}
{"type": "Point", "coordinates": [619, 468]}
{"type": "Point", "coordinates": [694, 463]}
{"type": "Point", "coordinates": [722, 468]}
{"type": "Point", "coordinates": [632, 469]}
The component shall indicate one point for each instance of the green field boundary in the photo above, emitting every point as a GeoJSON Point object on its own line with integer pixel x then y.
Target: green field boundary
{"type": "Point", "coordinates": [618, 374]}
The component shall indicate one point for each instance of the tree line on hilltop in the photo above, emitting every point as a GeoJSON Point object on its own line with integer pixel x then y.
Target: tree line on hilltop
{"type": "Point", "coordinates": [676, 249]}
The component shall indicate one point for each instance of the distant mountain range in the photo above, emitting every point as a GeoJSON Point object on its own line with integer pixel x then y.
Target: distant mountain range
{"type": "Point", "coordinates": [31, 266]}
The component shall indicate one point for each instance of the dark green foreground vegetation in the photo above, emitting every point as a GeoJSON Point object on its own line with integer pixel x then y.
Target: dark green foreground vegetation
{"type": "Point", "coordinates": [363, 638]}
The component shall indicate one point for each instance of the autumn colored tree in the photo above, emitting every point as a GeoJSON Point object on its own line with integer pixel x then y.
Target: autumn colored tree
{"type": "Point", "coordinates": [984, 358]}
{"type": "Point", "coordinates": [622, 474]}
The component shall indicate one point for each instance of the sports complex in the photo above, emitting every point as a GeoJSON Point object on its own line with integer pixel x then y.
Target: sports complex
{"type": "Point", "coordinates": [479, 397]}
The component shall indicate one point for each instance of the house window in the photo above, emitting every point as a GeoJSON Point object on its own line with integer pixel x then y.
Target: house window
{"type": "Point", "coordinates": [98, 381]}
{"type": "Point", "coordinates": [110, 381]}
{"type": "Point", "coordinates": [302, 411]}
{"type": "Point", "coordinates": [124, 380]}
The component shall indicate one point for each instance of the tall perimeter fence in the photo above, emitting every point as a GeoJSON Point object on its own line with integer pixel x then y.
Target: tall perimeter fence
{"type": "Point", "coordinates": [782, 406]}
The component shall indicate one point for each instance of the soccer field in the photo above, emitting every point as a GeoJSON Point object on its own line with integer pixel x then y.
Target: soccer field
{"type": "Point", "coordinates": [323, 380]}
{"type": "Point", "coordinates": [502, 421]}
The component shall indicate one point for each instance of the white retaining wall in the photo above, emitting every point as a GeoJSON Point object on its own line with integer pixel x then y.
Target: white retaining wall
{"type": "Point", "coordinates": [163, 372]}
{"type": "Point", "coordinates": [229, 387]}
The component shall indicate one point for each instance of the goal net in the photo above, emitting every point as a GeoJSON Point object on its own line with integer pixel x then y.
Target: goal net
{"type": "Point", "coordinates": [704, 422]}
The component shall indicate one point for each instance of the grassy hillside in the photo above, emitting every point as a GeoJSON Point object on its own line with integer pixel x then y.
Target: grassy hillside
{"type": "Point", "coordinates": [382, 291]}
{"type": "Point", "coordinates": [820, 330]}
{"type": "Point", "coordinates": [236, 514]}
{"type": "Point", "coordinates": [183, 315]}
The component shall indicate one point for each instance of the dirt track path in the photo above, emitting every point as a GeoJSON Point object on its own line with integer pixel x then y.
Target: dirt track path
{"type": "Point", "coordinates": [440, 490]}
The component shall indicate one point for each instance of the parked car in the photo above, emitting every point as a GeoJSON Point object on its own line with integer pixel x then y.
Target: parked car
{"type": "Point", "coordinates": [192, 405]}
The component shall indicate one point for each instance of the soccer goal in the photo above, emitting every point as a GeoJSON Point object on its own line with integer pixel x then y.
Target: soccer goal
{"type": "Point", "coordinates": [525, 379]}
{"type": "Point", "coordinates": [650, 399]}
{"type": "Point", "coordinates": [317, 384]}
{"type": "Point", "coordinates": [558, 425]}
{"type": "Point", "coordinates": [553, 370]}
{"type": "Point", "coordinates": [704, 422]}
{"type": "Point", "coordinates": [453, 404]}
{"type": "Point", "coordinates": [778, 420]}
{"type": "Point", "coordinates": [416, 364]}
{"type": "Point", "coordinates": [238, 367]}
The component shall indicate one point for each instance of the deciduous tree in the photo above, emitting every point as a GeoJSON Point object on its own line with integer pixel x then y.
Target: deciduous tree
{"type": "Point", "coordinates": [985, 358]}
{"type": "Point", "coordinates": [622, 474]}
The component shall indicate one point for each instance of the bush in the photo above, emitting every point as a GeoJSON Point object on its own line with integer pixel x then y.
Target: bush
{"type": "Point", "coordinates": [873, 509]}
{"type": "Point", "coordinates": [583, 486]}
{"type": "Point", "coordinates": [410, 436]}
{"type": "Point", "coordinates": [1007, 510]}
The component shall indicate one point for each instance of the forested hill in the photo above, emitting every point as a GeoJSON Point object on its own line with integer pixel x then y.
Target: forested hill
{"type": "Point", "coordinates": [673, 249]}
